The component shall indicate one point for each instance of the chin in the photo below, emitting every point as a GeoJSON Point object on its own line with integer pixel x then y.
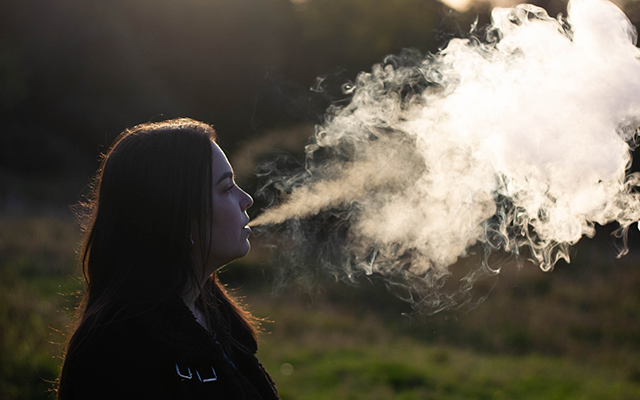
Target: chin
{"type": "Point", "coordinates": [246, 250]}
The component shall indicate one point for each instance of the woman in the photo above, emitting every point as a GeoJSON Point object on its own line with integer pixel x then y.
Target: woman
{"type": "Point", "coordinates": [155, 322]}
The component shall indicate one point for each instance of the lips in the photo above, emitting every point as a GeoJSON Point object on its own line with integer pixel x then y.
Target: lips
{"type": "Point", "coordinates": [246, 227]}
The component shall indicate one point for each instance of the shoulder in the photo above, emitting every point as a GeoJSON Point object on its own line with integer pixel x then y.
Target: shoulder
{"type": "Point", "coordinates": [115, 361]}
{"type": "Point", "coordinates": [115, 341]}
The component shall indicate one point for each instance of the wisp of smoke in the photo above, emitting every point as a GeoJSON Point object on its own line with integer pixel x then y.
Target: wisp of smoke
{"type": "Point", "coordinates": [519, 139]}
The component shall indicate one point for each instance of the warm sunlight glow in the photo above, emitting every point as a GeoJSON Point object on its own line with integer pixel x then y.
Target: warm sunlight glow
{"type": "Point", "coordinates": [458, 5]}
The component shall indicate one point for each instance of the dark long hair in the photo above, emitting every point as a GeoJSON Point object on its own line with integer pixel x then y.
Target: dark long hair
{"type": "Point", "coordinates": [154, 187]}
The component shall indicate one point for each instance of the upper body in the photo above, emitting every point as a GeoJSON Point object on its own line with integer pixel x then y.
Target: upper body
{"type": "Point", "coordinates": [164, 215]}
{"type": "Point", "coordinates": [163, 353]}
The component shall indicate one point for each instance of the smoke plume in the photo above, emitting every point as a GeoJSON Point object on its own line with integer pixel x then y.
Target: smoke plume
{"type": "Point", "coordinates": [519, 138]}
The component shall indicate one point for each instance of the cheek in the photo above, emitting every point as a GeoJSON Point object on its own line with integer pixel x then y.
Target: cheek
{"type": "Point", "coordinates": [223, 217]}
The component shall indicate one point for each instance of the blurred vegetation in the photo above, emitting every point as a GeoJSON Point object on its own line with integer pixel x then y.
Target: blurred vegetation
{"type": "Point", "coordinates": [85, 69]}
{"type": "Point", "coordinates": [37, 265]}
{"type": "Point", "coordinates": [73, 74]}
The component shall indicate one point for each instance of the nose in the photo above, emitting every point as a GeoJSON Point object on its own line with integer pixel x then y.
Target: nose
{"type": "Point", "coordinates": [246, 201]}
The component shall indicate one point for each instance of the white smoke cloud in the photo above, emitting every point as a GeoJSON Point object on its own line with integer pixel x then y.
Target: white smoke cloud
{"type": "Point", "coordinates": [519, 139]}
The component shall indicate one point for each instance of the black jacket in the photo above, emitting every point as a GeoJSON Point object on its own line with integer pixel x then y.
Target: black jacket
{"type": "Point", "coordinates": [162, 354]}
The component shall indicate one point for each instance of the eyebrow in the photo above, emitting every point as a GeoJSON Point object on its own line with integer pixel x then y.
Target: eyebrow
{"type": "Point", "coordinates": [225, 176]}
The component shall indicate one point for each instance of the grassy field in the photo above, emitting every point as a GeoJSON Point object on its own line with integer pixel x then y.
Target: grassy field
{"type": "Point", "coordinates": [321, 352]}
{"type": "Point", "coordinates": [570, 334]}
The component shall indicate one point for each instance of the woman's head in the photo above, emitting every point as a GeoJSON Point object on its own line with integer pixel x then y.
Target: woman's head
{"type": "Point", "coordinates": [161, 216]}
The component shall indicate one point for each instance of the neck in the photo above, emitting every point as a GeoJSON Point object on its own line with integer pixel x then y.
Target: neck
{"type": "Point", "coordinates": [190, 298]}
{"type": "Point", "coordinates": [192, 292]}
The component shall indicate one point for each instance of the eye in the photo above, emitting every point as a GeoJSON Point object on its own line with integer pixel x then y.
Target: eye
{"type": "Point", "coordinates": [230, 188]}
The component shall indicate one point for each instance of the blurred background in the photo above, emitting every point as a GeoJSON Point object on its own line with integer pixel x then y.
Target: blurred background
{"type": "Point", "coordinates": [75, 73]}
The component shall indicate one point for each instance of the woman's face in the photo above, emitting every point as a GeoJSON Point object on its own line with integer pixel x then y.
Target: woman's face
{"type": "Point", "coordinates": [230, 233]}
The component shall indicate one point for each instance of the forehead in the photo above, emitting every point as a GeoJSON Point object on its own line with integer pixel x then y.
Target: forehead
{"type": "Point", "coordinates": [219, 162]}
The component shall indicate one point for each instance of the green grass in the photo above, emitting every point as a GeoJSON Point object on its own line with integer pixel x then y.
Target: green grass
{"type": "Point", "coordinates": [570, 334]}
{"type": "Point", "coordinates": [343, 355]}
{"type": "Point", "coordinates": [411, 371]}
{"type": "Point", "coordinates": [37, 265]}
